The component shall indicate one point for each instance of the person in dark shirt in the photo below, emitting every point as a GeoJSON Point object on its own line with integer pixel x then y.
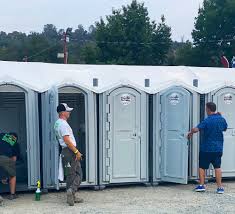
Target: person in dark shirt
{"type": "Point", "coordinates": [8, 156]}
{"type": "Point", "coordinates": [211, 146]}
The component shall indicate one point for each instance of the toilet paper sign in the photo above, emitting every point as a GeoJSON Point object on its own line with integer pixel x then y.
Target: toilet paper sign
{"type": "Point", "coordinates": [228, 99]}
{"type": "Point", "coordinates": [125, 99]}
{"type": "Point", "coordinates": [174, 99]}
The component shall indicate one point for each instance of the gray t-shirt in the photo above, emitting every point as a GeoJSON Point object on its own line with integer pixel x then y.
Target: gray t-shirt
{"type": "Point", "coordinates": [62, 128]}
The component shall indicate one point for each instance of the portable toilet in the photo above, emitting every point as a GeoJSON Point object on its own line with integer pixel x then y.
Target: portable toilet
{"type": "Point", "coordinates": [83, 122]}
{"type": "Point", "coordinates": [219, 87]}
{"type": "Point", "coordinates": [19, 113]}
{"type": "Point", "coordinates": [224, 98]}
{"type": "Point", "coordinates": [175, 111]}
{"type": "Point", "coordinates": [123, 136]}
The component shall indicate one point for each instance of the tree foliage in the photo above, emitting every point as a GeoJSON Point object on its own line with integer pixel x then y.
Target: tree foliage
{"type": "Point", "coordinates": [129, 37]}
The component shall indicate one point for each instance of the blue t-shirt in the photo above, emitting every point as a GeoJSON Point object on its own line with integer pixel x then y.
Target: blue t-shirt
{"type": "Point", "coordinates": [212, 129]}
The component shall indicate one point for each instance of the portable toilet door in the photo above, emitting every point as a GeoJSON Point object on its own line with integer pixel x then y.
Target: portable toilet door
{"type": "Point", "coordinates": [224, 98]}
{"type": "Point", "coordinates": [84, 125]}
{"type": "Point", "coordinates": [173, 158]}
{"type": "Point", "coordinates": [19, 114]}
{"type": "Point", "coordinates": [123, 136]}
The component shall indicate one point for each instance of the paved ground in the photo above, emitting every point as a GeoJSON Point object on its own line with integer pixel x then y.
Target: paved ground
{"type": "Point", "coordinates": [167, 198]}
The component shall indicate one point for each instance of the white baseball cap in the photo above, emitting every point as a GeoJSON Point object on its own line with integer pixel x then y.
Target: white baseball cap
{"type": "Point", "coordinates": [63, 107]}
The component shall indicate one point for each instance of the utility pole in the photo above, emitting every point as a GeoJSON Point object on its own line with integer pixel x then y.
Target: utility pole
{"type": "Point", "coordinates": [66, 40]}
{"type": "Point", "coordinates": [65, 48]}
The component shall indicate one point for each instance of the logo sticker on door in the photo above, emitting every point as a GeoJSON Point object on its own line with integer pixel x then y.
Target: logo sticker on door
{"type": "Point", "coordinates": [125, 99]}
{"type": "Point", "coordinates": [174, 99]}
{"type": "Point", "coordinates": [228, 99]}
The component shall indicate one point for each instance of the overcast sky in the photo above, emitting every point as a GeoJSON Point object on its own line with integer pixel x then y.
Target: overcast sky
{"type": "Point", "coordinates": [32, 15]}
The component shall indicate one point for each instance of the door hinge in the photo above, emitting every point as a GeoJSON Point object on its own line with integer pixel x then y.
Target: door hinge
{"type": "Point", "coordinates": [107, 162]}
{"type": "Point", "coordinates": [161, 119]}
{"type": "Point", "coordinates": [49, 117]}
{"type": "Point", "coordinates": [107, 108]}
{"type": "Point", "coordinates": [50, 156]}
{"type": "Point", "coordinates": [51, 98]}
{"type": "Point", "coordinates": [50, 136]}
{"type": "Point", "coordinates": [107, 145]}
{"type": "Point", "coordinates": [107, 126]}
{"type": "Point", "coordinates": [107, 177]}
{"type": "Point", "coordinates": [109, 171]}
{"type": "Point", "coordinates": [161, 133]}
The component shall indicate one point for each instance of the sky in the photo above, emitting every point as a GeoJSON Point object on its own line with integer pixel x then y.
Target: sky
{"type": "Point", "coordinates": [32, 15]}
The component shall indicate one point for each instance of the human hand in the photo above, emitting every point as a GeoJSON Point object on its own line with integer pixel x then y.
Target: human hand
{"type": "Point", "coordinates": [78, 156]}
{"type": "Point", "coordinates": [190, 134]}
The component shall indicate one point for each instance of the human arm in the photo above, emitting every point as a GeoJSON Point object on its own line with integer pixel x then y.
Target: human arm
{"type": "Point", "coordinates": [199, 127]}
{"type": "Point", "coordinates": [193, 130]}
{"type": "Point", "coordinates": [70, 145]}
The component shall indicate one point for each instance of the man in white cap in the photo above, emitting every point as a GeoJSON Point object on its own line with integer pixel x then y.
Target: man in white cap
{"type": "Point", "coordinates": [70, 155]}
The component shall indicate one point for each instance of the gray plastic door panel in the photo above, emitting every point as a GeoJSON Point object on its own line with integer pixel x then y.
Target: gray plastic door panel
{"type": "Point", "coordinates": [225, 100]}
{"type": "Point", "coordinates": [125, 135]}
{"type": "Point", "coordinates": [175, 119]}
{"type": "Point", "coordinates": [50, 144]}
{"type": "Point", "coordinates": [33, 144]}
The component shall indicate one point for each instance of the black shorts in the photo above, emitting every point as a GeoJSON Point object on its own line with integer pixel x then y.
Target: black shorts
{"type": "Point", "coordinates": [205, 158]}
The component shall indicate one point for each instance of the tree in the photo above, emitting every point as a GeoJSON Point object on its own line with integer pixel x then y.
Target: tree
{"type": "Point", "coordinates": [214, 33]}
{"type": "Point", "coordinates": [129, 37]}
{"type": "Point", "coordinates": [187, 55]}
{"type": "Point", "coordinates": [89, 53]}
{"type": "Point", "coordinates": [161, 43]}
{"type": "Point", "coordinates": [50, 32]}
{"type": "Point", "coordinates": [12, 46]}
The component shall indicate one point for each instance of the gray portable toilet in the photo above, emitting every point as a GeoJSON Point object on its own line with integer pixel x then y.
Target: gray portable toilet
{"type": "Point", "coordinates": [175, 111]}
{"type": "Point", "coordinates": [123, 140]}
{"type": "Point", "coordinates": [84, 124]}
{"type": "Point", "coordinates": [224, 98]}
{"type": "Point", "coordinates": [19, 114]}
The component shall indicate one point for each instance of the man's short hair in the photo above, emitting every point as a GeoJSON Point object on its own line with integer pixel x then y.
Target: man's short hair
{"type": "Point", "coordinates": [211, 106]}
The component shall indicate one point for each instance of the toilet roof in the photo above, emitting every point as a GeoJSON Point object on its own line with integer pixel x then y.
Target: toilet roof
{"type": "Point", "coordinates": [42, 76]}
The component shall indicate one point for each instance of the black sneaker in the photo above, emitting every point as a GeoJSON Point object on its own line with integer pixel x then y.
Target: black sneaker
{"type": "Point", "coordinates": [12, 196]}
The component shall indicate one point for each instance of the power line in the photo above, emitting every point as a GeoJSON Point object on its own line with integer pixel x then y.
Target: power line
{"type": "Point", "coordinates": [42, 51]}
{"type": "Point", "coordinates": [218, 42]}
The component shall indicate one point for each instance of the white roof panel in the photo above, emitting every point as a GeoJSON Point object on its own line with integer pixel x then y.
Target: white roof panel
{"type": "Point", "coordinates": [42, 76]}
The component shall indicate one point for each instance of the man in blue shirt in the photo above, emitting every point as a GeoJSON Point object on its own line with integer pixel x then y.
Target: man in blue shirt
{"type": "Point", "coordinates": [211, 146]}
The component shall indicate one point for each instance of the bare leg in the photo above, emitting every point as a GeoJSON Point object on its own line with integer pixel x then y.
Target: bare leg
{"type": "Point", "coordinates": [218, 176]}
{"type": "Point", "coordinates": [202, 176]}
{"type": "Point", "coordinates": [12, 183]}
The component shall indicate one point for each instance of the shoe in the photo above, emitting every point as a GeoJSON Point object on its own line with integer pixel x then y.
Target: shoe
{"type": "Point", "coordinates": [70, 197]}
{"type": "Point", "coordinates": [12, 196]}
{"type": "Point", "coordinates": [78, 200]}
{"type": "Point", "coordinates": [220, 190]}
{"type": "Point", "coordinates": [200, 188]}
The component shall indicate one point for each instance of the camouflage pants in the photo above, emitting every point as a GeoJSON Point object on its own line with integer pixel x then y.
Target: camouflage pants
{"type": "Point", "coordinates": [72, 169]}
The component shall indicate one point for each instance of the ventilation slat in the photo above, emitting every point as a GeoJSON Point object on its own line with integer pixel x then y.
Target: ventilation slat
{"type": "Point", "coordinates": [11, 98]}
